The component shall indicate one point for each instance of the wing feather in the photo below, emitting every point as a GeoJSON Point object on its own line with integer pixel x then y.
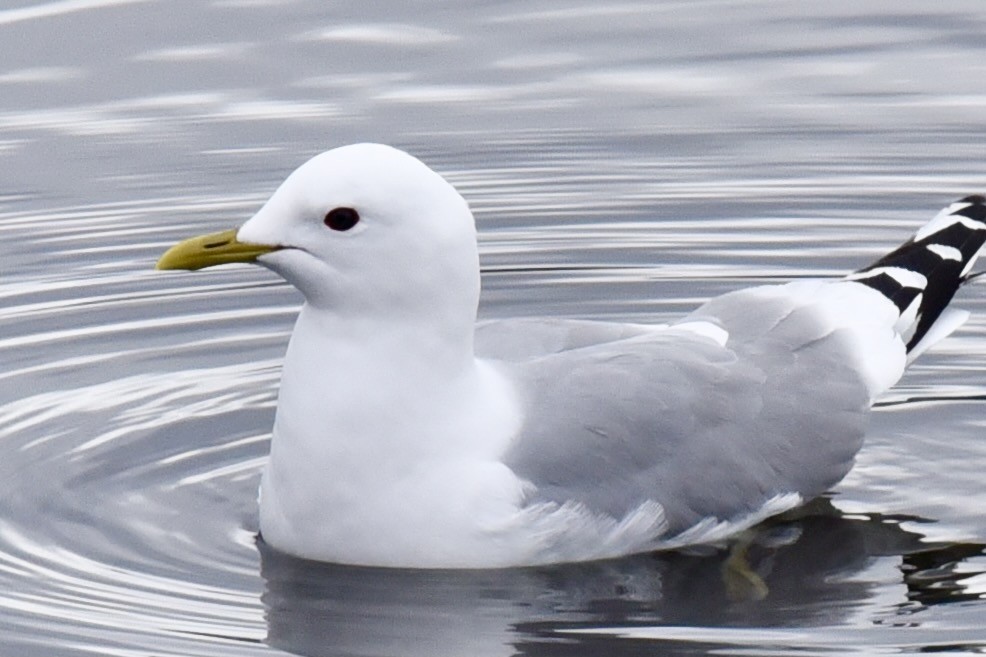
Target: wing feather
{"type": "Point", "coordinates": [704, 429]}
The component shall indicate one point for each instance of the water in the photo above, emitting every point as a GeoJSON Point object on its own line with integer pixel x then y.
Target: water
{"type": "Point", "coordinates": [624, 162]}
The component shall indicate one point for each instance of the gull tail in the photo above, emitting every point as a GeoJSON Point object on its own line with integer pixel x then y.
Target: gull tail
{"type": "Point", "coordinates": [922, 275]}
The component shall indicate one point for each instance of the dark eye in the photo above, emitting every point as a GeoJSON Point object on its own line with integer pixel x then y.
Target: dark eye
{"type": "Point", "coordinates": [341, 219]}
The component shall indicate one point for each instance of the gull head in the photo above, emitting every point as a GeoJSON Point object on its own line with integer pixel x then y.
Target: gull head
{"type": "Point", "coordinates": [364, 229]}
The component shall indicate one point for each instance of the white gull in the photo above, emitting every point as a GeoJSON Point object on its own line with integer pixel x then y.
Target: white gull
{"type": "Point", "coordinates": [407, 435]}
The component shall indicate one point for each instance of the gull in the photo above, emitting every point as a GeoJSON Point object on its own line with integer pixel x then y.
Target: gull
{"type": "Point", "coordinates": [409, 435]}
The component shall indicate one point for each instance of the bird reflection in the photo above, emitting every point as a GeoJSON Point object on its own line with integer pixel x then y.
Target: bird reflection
{"type": "Point", "coordinates": [794, 571]}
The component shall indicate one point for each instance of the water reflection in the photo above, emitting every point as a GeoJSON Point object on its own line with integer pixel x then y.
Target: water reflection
{"type": "Point", "coordinates": [621, 164]}
{"type": "Point", "coordinates": [795, 572]}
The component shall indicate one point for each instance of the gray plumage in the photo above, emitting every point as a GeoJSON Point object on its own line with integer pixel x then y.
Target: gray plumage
{"type": "Point", "coordinates": [619, 417]}
{"type": "Point", "coordinates": [407, 436]}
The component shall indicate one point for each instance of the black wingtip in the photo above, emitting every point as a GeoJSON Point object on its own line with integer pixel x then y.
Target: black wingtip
{"type": "Point", "coordinates": [968, 278]}
{"type": "Point", "coordinates": [942, 257]}
{"type": "Point", "coordinates": [975, 199]}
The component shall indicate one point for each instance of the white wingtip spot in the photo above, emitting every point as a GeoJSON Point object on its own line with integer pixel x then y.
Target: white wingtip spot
{"type": "Point", "coordinates": [968, 266]}
{"type": "Point", "coordinates": [905, 277]}
{"type": "Point", "coordinates": [945, 252]}
{"type": "Point", "coordinates": [909, 318]}
{"type": "Point", "coordinates": [947, 322]}
{"type": "Point", "coordinates": [946, 218]}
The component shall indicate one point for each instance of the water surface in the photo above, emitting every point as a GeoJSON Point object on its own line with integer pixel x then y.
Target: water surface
{"type": "Point", "coordinates": [624, 161]}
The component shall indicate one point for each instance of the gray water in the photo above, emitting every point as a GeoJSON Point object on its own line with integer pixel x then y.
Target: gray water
{"type": "Point", "coordinates": [624, 161]}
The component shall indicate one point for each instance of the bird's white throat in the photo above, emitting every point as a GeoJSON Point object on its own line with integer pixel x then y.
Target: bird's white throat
{"type": "Point", "coordinates": [402, 433]}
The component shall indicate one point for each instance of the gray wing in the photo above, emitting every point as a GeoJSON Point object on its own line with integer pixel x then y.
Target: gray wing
{"type": "Point", "coordinates": [523, 339]}
{"type": "Point", "coordinates": [705, 430]}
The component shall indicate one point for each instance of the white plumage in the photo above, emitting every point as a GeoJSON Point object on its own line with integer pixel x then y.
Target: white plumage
{"type": "Point", "coordinates": [407, 436]}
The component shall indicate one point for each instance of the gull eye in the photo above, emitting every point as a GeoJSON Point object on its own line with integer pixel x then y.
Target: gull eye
{"type": "Point", "coordinates": [341, 219]}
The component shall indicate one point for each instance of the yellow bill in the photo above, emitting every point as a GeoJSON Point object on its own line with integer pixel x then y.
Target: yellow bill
{"type": "Point", "coordinates": [210, 250]}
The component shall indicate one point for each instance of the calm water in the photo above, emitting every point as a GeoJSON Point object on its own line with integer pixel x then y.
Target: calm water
{"type": "Point", "coordinates": [624, 161]}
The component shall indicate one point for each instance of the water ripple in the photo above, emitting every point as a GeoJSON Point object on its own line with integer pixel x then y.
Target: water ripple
{"type": "Point", "coordinates": [621, 164]}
